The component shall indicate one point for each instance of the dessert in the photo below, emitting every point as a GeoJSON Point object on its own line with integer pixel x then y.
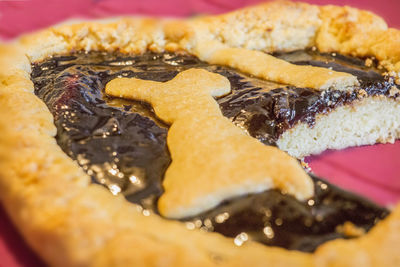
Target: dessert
{"type": "Point", "coordinates": [83, 169]}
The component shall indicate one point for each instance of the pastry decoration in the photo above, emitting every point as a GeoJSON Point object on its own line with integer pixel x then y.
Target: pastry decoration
{"type": "Point", "coordinates": [265, 66]}
{"type": "Point", "coordinates": [212, 159]}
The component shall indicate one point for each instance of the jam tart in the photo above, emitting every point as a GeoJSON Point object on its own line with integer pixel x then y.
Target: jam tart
{"type": "Point", "coordinates": [164, 142]}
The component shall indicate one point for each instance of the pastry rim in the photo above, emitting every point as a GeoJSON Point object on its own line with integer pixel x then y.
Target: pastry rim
{"type": "Point", "coordinates": [54, 214]}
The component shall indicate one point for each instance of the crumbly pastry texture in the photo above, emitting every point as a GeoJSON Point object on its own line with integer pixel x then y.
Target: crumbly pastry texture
{"type": "Point", "coordinates": [372, 120]}
{"type": "Point", "coordinates": [70, 222]}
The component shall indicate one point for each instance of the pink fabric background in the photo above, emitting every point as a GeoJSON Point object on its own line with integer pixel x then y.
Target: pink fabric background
{"type": "Point", "coordinates": [373, 171]}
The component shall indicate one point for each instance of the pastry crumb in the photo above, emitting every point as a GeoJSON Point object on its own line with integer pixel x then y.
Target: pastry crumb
{"type": "Point", "coordinates": [368, 62]}
{"type": "Point", "coordinates": [362, 93]}
{"type": "Point", "coordinates": [350, 230]}
{"type": "Point", "coordinates": [394, 91]}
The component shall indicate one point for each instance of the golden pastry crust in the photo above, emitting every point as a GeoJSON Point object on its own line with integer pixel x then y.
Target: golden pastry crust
{"type": "Point", "coordinates": [359, 33]}
{"type": "Point", "coordinates": [70, 222]}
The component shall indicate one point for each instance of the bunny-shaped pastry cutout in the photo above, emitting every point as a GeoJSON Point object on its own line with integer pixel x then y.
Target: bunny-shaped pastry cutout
{"type": "Point", "coordinates": [212, 159]}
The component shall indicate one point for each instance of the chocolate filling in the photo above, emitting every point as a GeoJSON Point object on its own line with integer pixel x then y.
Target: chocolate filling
{"type": "Point", "coordinates": [122, 145]}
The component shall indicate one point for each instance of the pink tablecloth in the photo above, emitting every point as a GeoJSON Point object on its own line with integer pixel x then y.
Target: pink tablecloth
{"type": "Point", "coordinates": [373, 171]}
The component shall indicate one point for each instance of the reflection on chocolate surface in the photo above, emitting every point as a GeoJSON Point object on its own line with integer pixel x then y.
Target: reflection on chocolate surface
{"type": "Point", "coordinates": [281, 220]}
{"type": "Point", "coordinates": [122, 145]}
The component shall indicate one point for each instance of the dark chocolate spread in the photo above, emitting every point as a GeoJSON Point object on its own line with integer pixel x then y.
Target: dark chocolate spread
{"type": "Point", "coordinates": [122, 144]}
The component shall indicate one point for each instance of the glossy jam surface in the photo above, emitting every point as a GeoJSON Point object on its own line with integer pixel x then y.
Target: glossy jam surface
{"type": "Point", "coordinates": [122, 145]}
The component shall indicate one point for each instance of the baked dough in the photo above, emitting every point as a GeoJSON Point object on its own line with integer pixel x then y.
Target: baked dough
{"type": "Point", "coordinates": [70, 222]}
{"type": "Point", "coordinates": [212, 159]}
{"type": "Point", "coordinates": [262, 65]}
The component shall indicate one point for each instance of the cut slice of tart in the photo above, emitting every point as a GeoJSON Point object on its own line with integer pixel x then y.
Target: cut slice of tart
{"type": "Point", "coordinates": [155, 142]}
